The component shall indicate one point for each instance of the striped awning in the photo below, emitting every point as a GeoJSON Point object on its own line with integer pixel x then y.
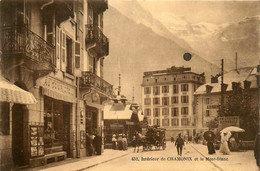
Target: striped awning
{"type": "Point", "coordinates": [14, 94]}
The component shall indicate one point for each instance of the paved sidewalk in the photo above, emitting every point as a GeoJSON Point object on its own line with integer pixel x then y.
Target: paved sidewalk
{"type": "Point", "coordinates": [83, 163]}
{"type": "Point", "coordinates": [242, 161]}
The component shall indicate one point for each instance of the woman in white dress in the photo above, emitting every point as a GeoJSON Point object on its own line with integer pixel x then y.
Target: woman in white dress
{"type": "Point", "coordinates": [224, 143]}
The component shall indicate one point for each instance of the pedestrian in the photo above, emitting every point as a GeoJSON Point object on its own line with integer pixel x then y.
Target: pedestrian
{"type": "Point", "coordinates": [124, 142]}
{"type": "Point", "coordinates": [97, 144]}
{"type": "Point", "coordinates": [179, 143]}
{"type": "Point", "coordinates": [172, 139]}
{"type": "Point", "coordinates": [120, 143]}
{"type": "Point", "coordinates": [257, 150]}
{"type": "Point", "coordinates": [89, 145]}
{"type": "Point", "coordinates": [224, 143]}
{"type": "Point", "coordinates": [211, 149]}
{"type": "Point", "coordinates": [114, 142]}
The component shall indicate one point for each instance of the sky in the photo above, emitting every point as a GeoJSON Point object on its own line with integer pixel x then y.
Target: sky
{"type": "Point", "coordinates": [216, 12]}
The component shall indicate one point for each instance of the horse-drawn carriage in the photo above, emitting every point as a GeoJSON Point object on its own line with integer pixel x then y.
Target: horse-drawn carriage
{"type": "Point", "coordinates": [154, 136]}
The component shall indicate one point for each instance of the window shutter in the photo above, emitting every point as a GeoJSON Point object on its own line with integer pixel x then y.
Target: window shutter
{"type": "Point", "coordinates": [57, 42]}
{"type": "Point", "coordinates": [63, 50]}
{"type": "Point", "coordinates": [77, 54]}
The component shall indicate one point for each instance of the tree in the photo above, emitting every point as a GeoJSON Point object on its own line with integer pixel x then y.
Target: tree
{"type": "Point", "coordinates": [241, 102]}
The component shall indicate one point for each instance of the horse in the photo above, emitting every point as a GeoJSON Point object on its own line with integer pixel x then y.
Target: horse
{"type": "Point", "coordinates": [138, 141]}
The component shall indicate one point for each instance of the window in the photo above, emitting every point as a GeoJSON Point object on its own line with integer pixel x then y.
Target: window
{"type": "Point", "coordinates": [184, 87]}
{"type": "Point", "coordinates": [175, 100]}
{"type": "Point", "coordinates": [165, 122]}
{"type": "Point", "coordinates": [147, 101]}
{"type": "Point", "coordinates": [175, 111]}
{"type": "Point", "coordinates": [147, 112]}
{"type": "Point", "coordinates": [165, 111]}
{"type": "Point", "coordinates": [165, 89]}
{"type": "Point", "coordinates": [207, 101]}
{"type": "Point", "coordinates": [207, 113]}
{"type": "Point", "coordinates": [165, 100]}
{"type": "Point", "coordinates": [4, 119]}
{"type": "Point", "coordinates": [184, 99]}
{"type": "Point", "coordinates": [184, 121]}
{"type": "Point", "coordinates": [156, 112]}
{"type": "Point", "coordinates": [147, 90]}
{"type": "Point", "coordinates": [149, 121]}
{"type": "Point", "coordinates": [156, 122]}
{"type": "Point", "coordinates": [175, 89]}
{"type": "Point", "coordinates": [156, 90]}
{"type": "Point", "coordinates": [175, 122]}
{"type": "Point", "coordinates": [184, 110]}
{"type": "Point", "coordinates": [156, 101]}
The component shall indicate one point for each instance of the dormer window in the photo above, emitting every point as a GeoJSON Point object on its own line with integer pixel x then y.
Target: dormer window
{"type": "Point", "coordinates": [208, 88]}
{"type": "Point", "coordinates": [247, 84]}
{"type": "Point", "coordinates": [235, 85]}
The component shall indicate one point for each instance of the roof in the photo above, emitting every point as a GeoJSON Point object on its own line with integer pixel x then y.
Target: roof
{"type": "Point", "coordinates": [120, 111]}
{"type": "Point", "coordinates": [239, 76]}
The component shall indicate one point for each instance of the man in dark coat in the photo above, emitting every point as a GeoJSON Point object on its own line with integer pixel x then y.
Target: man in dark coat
{"type": "Point", "coordinates": [179, 143]}
{"type": "Point", "coordinates": [97, 144]}
{"type": "Point", "coordinates": [257, 150]}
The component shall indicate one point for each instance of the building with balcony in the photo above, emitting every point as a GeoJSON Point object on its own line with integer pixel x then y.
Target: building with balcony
{"type": "Point", "coordinates": [48, 50]}
{"type": "Point", "coordinates": [168, 101]}
{"type": "Point", "coordinates": [208, 96]}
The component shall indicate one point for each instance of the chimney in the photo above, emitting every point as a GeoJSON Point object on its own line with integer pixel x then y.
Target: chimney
{"type": "Point", "coordinates": [214, 79]}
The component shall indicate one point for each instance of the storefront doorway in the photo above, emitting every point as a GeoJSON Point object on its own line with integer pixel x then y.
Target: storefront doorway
{"type": "Point", "coordinates": [19, 118]}
{"type": "Point", "coordinates": [91, 120]}
{"type": "Point", "coordinates": [57, 126]}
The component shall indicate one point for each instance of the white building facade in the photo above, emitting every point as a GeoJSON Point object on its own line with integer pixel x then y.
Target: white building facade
{"type": "Point", "coordinates": [168, 101]}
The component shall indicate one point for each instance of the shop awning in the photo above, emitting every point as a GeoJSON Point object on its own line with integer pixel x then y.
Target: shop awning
{"type": "Point", "coordinates": [14, 94]}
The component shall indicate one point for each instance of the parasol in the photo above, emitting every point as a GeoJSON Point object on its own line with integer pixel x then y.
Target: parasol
{"type": "Point", "coordinates": [209, 135]}
{"type": "Point", "coordinates": [232, 129]}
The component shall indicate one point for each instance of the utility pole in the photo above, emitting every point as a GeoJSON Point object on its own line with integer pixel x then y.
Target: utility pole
{"type": "Point", "coordinates": [222, 86]}
{"type": "Point", "coordinates": [133, 98]}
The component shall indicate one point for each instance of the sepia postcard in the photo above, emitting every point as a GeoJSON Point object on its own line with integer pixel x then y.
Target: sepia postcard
{"type": "Point", "coordinates": [145, 85]}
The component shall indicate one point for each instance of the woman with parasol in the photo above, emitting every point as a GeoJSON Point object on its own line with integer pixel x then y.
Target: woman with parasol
{"type": "Point", "coordinates": [209, 136]}
{"type": "Point", "coordinates": [224, 142]}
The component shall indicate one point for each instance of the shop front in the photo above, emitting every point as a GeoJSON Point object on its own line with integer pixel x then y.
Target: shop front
{"type": "Point", "coordinates": [53, 139]}
{"type": "Point", "coordinates": [57, 126]}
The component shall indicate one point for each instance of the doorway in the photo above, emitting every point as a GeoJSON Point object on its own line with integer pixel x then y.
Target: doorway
{"type": "Point", "coordinates": [19, 114]}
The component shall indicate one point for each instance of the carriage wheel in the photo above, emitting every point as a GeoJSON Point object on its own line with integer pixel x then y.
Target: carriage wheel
{"type": "Point", "coordinates": [157, 145]}
{"type": "Point", "coordinates": [150, 147]}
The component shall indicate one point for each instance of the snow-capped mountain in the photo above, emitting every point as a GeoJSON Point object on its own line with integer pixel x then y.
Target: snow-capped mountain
{"type": "Point", "coordinates": [135, 47]}
{"type": "Point", "coordinates": [214, 42]}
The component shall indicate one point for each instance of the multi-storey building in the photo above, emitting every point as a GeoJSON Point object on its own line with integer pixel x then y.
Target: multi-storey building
{"type": "Point", "coordinates": [53, 49]}
{"type": "Point", "coordinates": [167, 99]}
{"type": "Point", "coordinates": [208, 96]}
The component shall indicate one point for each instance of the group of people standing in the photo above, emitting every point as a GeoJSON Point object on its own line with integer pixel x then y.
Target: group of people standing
{"type": "Point", "coordinates": [119, 143]}
{"type": "Point", "coordinates": [93, 144]}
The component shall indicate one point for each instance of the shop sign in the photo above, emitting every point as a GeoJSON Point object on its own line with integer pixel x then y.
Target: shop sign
{"type": "Point", "coordinates": [129, 123]}
{"type": "Point", "coordinates": [59, 90]}
{"type": "Point", "coordinates": [213, 106]}
{"type": "Point", "coordinates": [228, 121]}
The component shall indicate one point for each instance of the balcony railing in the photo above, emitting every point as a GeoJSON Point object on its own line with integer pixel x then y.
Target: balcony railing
{"type": "Point", "coordinates": [21, 40]}
{"type": "Point", "coordinates": [95, 35]}
{"type": "Point", "coordinates": [91, 80]}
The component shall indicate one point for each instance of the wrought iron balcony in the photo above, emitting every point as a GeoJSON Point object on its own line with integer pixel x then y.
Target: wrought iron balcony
{"type": "Point", "coordinates": [92, 81]}
{"type": "Point", "coordinates": [22, 44]}
{"type": "Point", "coordinates": [99, 5]}
{"type": "Point", "coordinates": [94, 35]}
